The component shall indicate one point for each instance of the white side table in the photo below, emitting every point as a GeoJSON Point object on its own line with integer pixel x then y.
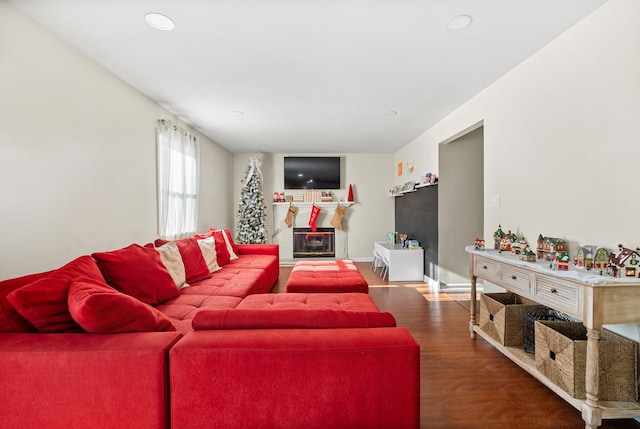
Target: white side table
{"type": "Point", "coordinates": [404, 264]}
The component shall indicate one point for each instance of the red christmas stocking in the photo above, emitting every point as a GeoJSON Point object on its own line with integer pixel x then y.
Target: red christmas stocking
{"type": "Point", "coordinates": [315, 211]}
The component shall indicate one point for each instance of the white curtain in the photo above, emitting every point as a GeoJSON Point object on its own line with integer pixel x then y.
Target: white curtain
{"type": "Point", "coordinates": [178, 181]}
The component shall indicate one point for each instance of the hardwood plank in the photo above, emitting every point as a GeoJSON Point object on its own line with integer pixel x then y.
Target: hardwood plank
{"type": "Point", "coordinates": [465, 383]}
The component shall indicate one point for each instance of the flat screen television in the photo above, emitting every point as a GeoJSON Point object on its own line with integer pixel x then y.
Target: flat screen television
{"type": "Point", "coordinates": [312, 172]}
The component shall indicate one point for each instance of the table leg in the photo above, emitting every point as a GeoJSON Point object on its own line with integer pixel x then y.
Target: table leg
{"type": "Point", "coordinates": [591, 412]}
{"type": "Point", "coordinates": [472, 307]}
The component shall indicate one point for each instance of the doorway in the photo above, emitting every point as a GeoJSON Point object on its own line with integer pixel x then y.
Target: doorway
{"type": "Point", "coordinates": [460, 204]}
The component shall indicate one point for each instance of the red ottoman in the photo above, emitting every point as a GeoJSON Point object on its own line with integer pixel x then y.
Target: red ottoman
{"type": "Point", "coordinates": [326, 276]}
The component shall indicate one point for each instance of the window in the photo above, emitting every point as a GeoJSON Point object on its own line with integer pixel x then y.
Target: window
{"type": "Point", "coordinates": [178, 177]}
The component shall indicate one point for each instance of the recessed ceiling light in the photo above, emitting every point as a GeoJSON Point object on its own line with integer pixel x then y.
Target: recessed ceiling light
{"type": "Point", "coordinates": [159, 21]}
{"type": "Point", "coordinates": [237, 113]}
{"type": "Point", "coordinates": [390, 113]}
{"type": "Point", "coordinates": [459, 22]}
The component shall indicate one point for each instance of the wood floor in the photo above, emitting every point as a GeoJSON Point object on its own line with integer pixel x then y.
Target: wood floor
{"type": "Point", "coordinates": [466, 384]}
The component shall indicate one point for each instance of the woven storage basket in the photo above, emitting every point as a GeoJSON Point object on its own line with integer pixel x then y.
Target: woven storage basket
{"type": "Point", "coordinates": [561, 355]}
{"type": "Point", "coordinates": [528, 331]}
{"type": "Point", "coordinates": [501, 316]}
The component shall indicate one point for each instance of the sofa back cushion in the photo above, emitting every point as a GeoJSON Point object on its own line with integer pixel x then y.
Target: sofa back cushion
{"type": "Point", "coordinates": [100, 309]}
{"type": "Point", "coordinates": [195, 266]}
{"type": "Point", "coordinates": [289, 318]}
{"type": "Point", "coordinates": [170, 256]}
{"type": "Point", "coordinates": [10, 319]}
{"type": "Point", "coordinates": [222, 251]}
{"type": "Point", "coordinates": [231, 246]}
{"type": "Point", "coordinates": [138, 271]}
{"type": "Point", "coordinates": [43, 303]}
{"type": "Point", "coordinates": [208, 249]}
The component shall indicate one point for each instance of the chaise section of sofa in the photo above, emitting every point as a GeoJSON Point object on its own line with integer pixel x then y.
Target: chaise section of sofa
{"type": "Point", "coordinates": [304, 378]}
{"type": "Point", "coordinates": [67, 381]}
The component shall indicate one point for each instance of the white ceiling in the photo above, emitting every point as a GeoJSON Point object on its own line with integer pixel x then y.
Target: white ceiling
{"type": "Point", "coordinates": [309, 75]}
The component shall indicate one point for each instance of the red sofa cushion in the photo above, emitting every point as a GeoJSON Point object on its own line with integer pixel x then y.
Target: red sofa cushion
{"type": "Point", "coordinates": [138, 271]}
{"type": "Point", "coordinates": [100, 309]}
{"type": "Point", "coordinates": [195, 266]}
{"type": "Point", "coordinates": [172, 261]}
{"type": "Point", "coordinates": [182, 309]}
{"type": "Point", "coordinates": [231, 245]}
{"type": "Point", "coordinates": [268, 264]}
{"type": "Point", "coordinates": [208, 249]}
{"type": "Point", "coordinates": [290, 318]}
{"type": "Point", "coordinates": [222, 249]}
{"type": "Point", "coordinates": [10, 319]}
{"type": "Point", "coordinates": [230, 282]}
{"type": "Point", "coordinates": [44, 302]}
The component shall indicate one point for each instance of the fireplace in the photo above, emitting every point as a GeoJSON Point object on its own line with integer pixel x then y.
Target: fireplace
{"type": "Point", "coordinates": [314, 244]}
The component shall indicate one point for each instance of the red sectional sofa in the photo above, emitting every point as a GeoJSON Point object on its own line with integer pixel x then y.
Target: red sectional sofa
{"type": "Point", "coordinates": [146, 337]}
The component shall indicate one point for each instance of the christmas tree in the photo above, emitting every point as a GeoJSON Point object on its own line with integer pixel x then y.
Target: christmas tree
{"type": "Point", "coordinates": [251, 209]}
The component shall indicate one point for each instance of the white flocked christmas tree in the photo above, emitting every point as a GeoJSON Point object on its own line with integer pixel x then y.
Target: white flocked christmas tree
{"type": "Point", "coordinates": [252, 212]}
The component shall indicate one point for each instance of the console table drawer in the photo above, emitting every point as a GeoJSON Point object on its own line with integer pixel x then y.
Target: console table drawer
{"type": "Point", "coordinates": [486, 269]}
{"type": "Point", "coordinates": [516, 279]}
{"type": "Point", "coordinates": [562, 296]}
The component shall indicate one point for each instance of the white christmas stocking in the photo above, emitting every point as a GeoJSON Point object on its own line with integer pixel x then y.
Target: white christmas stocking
{"type": "Point", "coordinates": [337, 217]}
{"type": "Point", "coordinates": [290, 214]}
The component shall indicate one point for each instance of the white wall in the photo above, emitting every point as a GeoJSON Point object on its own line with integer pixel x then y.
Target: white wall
{"type": "Point", "coordinates": [77, 155]}
{"type": "Point", "coordinates": [560, 135]}
{"type": "Point", "coordinates": [365, 222]}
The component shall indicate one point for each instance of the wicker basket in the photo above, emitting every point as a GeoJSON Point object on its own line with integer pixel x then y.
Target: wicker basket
{"type": "Point", "coordinates": [561, 354]}
{"type": "Point", "coordinates": [528, 331]}
{"type": "Point", "coordinates": [501, 316]}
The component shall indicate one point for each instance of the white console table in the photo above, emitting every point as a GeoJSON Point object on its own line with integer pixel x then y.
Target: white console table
{"type": "Point", "coordinates": [594, 299]}
{"type": "Point", "coordinates": [404, 264]}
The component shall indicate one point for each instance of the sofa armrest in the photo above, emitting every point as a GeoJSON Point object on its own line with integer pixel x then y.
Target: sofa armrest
{"type": "Point", "coordinates": [82, 380]}
{"type": "Point", "coordinates": [258, 249]}
{"type": "Point", "coordinates": [236, 318]}
{"type": "Point", "coordinates": [296, 378]}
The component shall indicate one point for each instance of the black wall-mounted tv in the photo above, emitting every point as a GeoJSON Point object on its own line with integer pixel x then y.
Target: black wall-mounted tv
{"type": "Point", "coordinates": [312, 172]}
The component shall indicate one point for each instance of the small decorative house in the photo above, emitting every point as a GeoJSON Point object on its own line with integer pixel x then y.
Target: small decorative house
{"type": "Point", "coordinates": [518, 246]}
{"type": "Point", "coordinates": [584, 256]}
{"type": "Point", "coordinates": [601, 259]}
{"type": "Point", "coordinates": [548, 246]}
{"type": "Point", "coordinates": [506, 242]}
{"type": "Point", "coordinates": [624, 262]}
{"type": "Point", "coordinates": [479, 244]}
{"type": "Point", "coordinates": [527, 254]}
{"type": "Point", "coordinates": [560, 261]}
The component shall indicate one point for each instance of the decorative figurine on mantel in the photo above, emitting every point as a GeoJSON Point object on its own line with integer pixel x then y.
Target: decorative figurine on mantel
{"type": "Point", "coordinates": [497, 237]}
{"type": "Point", "coordinates": [479, 244]}
{"type": "Point", "coordinates": [624, 262]}
{"type": "Point", "coordinates": [548, 246]}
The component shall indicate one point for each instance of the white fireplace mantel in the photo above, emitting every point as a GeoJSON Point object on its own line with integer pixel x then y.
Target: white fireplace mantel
{"type": "Point", "coordinates": [283, 235]}
{"type": "Point", "coordinates": [332, 204]}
